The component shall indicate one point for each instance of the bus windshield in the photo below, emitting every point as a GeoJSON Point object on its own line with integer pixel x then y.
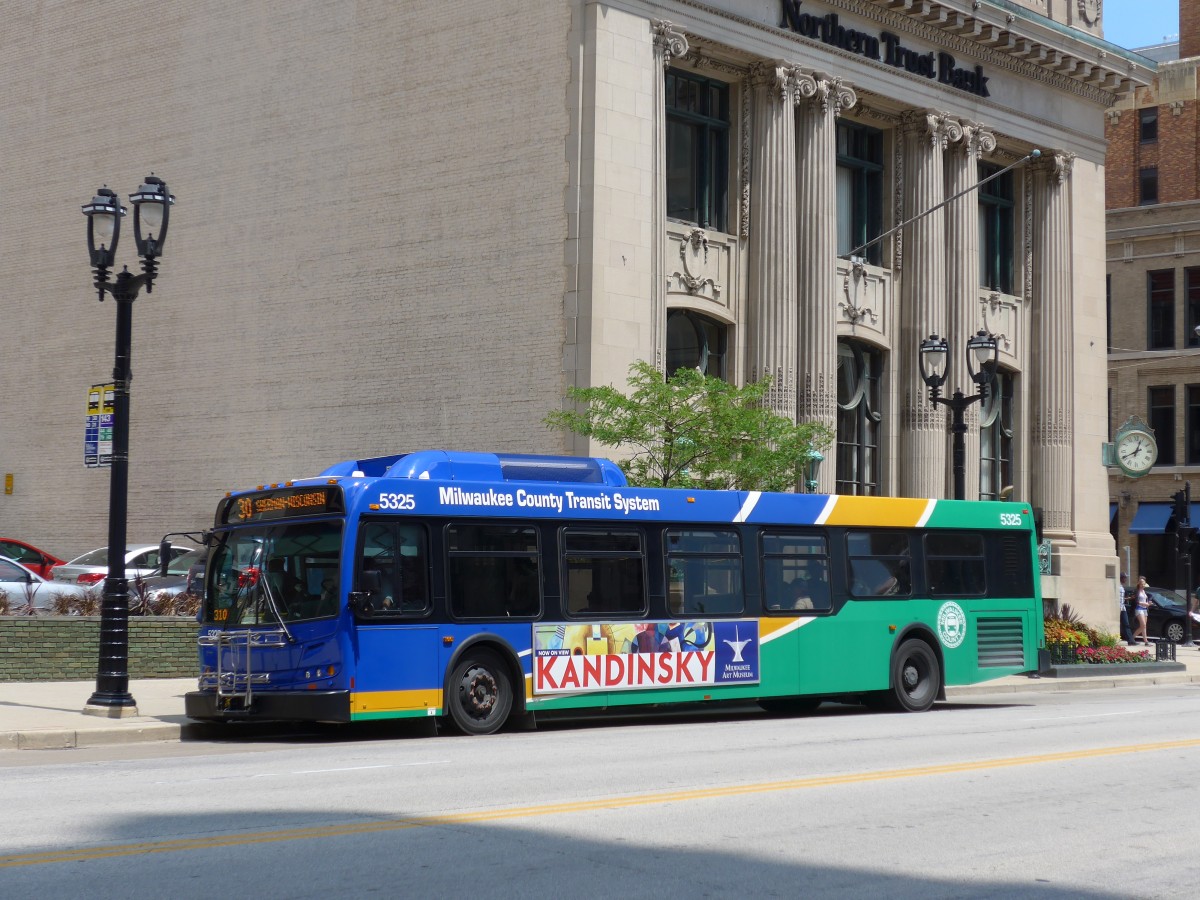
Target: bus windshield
{"type": "Point", "coordinates": [271, 573]}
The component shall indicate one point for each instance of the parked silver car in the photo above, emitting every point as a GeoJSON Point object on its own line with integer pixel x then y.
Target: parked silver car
{"type": "Point", "coordinates": [181, 575]}
{"type": "Point", "coordinates": [20, 585]}
{"type": "Point", "coordinates": [92, 568]}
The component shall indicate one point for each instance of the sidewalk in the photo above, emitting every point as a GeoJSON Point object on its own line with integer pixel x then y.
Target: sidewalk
{"type": "Point", "coordinates": [48, 715]}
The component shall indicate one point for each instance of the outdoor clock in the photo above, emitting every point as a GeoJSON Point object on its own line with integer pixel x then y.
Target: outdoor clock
{"type": "Point", "coordinates": [1135, 450]}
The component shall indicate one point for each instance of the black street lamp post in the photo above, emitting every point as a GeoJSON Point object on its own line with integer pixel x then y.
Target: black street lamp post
{"type": "Point", "coordinates": [151, 212]}
{"type": "Point", "coordinates": [982, 356]}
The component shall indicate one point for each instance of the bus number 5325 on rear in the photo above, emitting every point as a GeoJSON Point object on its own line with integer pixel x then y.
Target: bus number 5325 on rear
{"type": "Point", "coordinates": [1010, 519]}
{"type": "Point", "coordinates": [397, 501]}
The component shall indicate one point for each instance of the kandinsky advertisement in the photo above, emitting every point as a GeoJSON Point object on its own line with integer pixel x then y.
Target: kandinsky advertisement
{"type": "Point", "coordinates": [573, 659]}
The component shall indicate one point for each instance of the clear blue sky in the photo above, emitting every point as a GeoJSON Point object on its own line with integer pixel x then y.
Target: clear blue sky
{"type": "Point", "coordinates": [1140, 23]}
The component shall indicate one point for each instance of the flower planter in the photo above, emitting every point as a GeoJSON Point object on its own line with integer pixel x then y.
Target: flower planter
{"type": "Point", "coordinates": [1096, 670]}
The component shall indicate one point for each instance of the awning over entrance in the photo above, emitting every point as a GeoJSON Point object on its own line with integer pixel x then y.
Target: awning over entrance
{"type": "Point", "coordinates": [1151, 518]}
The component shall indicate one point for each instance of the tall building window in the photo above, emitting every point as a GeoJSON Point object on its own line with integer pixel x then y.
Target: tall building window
{"type": "Point", "coordinates": [1160, 309]}
{"type": "Point", "coordinates": [1191, 285]}
{"type": "Point", "coordinates": [1147, 186]}
{"type": "Point", "coordinates": [1162, 420]}
{"type": "Point", "coordinates": [858, 419]}
{"type": "Point", "coordinates": [697, 149]}
{"type": "Point", "coordinates": [1192, 438]}
{"type": "Point", "coordinates": [695, 342]}
{"type": "Point", "coordinates": [1148, 125]}
{"type": "Point", "coordinates": [859, 189]}
{"type": "Point", "coordinates": [996, 230]}
{"type": "Point", "coordinates": [996, 438]}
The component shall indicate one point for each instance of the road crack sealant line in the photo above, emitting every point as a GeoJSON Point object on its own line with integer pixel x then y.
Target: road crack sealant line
{"type": "Point", "coordinates": [46, 857]}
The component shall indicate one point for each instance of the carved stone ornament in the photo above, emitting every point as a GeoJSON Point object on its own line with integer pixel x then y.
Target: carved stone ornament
{"type": "Point", "coordinates": [667, 41]}
{"type": "Point", "coordinates": [776, 75]}
{"type": "Point", "coordinates": [935, 125]}
{"type": "Point", "coordinates": [992, 308]}
{"type": "Point", "coordinates": [825, 92]}
{"type": "Point", "coordinates": [852, 285]}
{"type": "Point", "coordinates": [693, 252]}
{"type": "Point", "coordinates": [976, 139]}
{"type": "Point", "coordinates": [1089, 11]}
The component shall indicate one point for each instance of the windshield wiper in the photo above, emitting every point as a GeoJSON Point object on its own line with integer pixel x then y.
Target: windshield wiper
{"type": "Point", "coordinates": [266, 583]}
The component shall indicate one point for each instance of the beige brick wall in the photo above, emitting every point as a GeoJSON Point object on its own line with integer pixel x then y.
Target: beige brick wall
{"type": "Point", "coordinates": [367, 255]}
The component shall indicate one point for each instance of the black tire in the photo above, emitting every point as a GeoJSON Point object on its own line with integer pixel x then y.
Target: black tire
{"type": "Point", "coordinates": [792, 706]}
{"type": "Point", "coordinates": [479, 694]}
{"type": "Point", "coordinates": [1172, 630]}
{"type": "Point", "coordinates": [916, 676]}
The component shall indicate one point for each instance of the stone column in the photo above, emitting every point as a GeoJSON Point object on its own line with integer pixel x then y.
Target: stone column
{"type": "Point", "coordinates": [771, 306]}
{"type": "Point", "coordinates": [1052, 350]}
{"type": "Point", "coordinates": [819, 101]}
{"type": "Point", "coordinates": [923, 433]}
{"type": "Point", "coordinates": [962, 281]}
{"type": "Point", "coordinates": [669, 44]}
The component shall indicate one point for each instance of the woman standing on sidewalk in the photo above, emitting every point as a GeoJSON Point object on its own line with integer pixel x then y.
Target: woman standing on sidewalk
{"type": "Point", "coordinates": [1142, 611]}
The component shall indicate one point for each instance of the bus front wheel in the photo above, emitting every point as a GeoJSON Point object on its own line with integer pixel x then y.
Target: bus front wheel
{"type": "Point", "coordinates": [480, 693]}
{"type": "Point", "coordinates": [916, 676]}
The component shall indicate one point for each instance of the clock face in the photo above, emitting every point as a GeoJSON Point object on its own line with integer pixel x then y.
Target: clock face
{"type": "Point", "coordinates": [1136, 452]}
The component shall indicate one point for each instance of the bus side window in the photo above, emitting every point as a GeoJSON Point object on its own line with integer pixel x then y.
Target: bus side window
{"type": "Point", "coordinates": [492, 570]}
{"type": "Point", "coordinates": [879, 563]}
{"type": "Point", "coordinates": [704, 568]}
{"type": "Point", "coordinates": [604, 571]}
{"type": "Point", "coordinates": [955, 564]}
{"type": "Point", "coordinates": [795, 572]}
{"type": "Point", "coordinates": [392, 569]}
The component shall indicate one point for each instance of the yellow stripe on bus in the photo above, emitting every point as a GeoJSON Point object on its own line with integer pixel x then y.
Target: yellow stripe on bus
{"type": "Point", "coordinates": [768, 627]}
{"type": "Point", "coordinates": [898, 512]}
{"type": "Point", "coordinates": [395, 701]}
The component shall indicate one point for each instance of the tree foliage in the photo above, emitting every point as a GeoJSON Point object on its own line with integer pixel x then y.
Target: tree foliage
{"type": "Point", "coordinates": [693, 431]}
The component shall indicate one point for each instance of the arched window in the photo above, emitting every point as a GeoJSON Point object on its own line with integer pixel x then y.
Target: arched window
{"type": "Point", "coordinates": [996, 438]}
{"type": "Point", "coordinates": [859, 418]}
{"type": "Point", "coordinates": [695, 342]}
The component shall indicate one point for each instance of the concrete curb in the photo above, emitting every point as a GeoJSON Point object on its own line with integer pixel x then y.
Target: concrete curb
{"type": "Point", "coordinates": [71, 738]}
{"type": "Point", "coordinates": [1100, 670]}
{"type": "Point", "coordinates": [1082, 683]}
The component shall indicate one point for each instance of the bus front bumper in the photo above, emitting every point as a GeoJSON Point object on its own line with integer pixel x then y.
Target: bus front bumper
{"type": "Point", "coordinates": [269, 706]}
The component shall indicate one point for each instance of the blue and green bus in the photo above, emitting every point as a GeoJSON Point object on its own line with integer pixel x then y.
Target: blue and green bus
{"type": "Point", "coordinates": [480, 587]}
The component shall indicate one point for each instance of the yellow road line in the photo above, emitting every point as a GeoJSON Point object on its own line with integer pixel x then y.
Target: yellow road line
{"type": "Point", "coordinates": [550, 809]}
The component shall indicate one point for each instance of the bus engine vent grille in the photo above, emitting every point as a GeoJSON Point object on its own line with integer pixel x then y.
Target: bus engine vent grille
{"type": "Point", "coordinates": [1001, 642]}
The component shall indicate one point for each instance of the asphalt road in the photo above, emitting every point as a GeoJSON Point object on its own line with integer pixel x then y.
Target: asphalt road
{"type": "Point", "coordinates": [1081, 794]}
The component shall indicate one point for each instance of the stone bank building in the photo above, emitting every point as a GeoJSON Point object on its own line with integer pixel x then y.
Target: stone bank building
{"type": "Point", "coordinates": [416, 224]}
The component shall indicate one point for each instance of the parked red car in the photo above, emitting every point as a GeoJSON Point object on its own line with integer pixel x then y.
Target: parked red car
{"type": "Point", "coordinates": [29, 556]}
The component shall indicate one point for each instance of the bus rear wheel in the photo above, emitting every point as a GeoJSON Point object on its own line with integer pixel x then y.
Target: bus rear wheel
{"type": "Point", "coordinates": [480, 694]}
{"type": "Point", "coordinates": [916, 677]}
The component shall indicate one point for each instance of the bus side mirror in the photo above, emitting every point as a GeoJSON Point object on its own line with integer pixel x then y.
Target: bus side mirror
{"type": "Point", "coordinates": [370, 582]}
{"type": "Point", "coordinates": [360, 604]}
{"type": "Point", "coordinates": [164, 556]}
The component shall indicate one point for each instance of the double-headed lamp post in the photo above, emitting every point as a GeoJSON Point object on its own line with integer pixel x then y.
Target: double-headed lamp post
{"type": "Point", "coordinates": [151, 212]}
{"type": "Point", "coordinates": [982, 358]}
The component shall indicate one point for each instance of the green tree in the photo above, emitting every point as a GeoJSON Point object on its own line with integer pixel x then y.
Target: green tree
{"type": "Point", "coordinates": [693, 431]}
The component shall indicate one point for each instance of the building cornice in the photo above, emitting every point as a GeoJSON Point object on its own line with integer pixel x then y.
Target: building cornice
{"type": "Point", "coordinates": [1023, 43]}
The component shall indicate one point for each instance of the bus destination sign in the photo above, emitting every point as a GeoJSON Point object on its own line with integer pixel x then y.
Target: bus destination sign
{"type": "Point", "coordinates": [282, 504]}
